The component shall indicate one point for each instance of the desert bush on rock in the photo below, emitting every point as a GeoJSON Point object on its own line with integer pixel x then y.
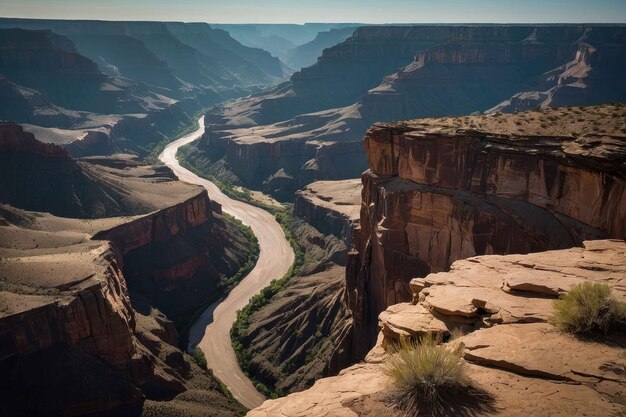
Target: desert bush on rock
{"type": "Point", "coordinates": [429, 379]}
{"type": "Point", "coordinates": [588, 308]}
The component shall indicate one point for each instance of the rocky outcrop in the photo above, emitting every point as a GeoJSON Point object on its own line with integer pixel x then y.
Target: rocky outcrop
{"type": "Point", "coordinates": [179, 253]}
{"type": "Point", "coordinates": [501, 303]}
{"type": "Point", "coordinates": [437, 192]}
{"type": "Point", "coordinates": [77, 319]}
{"type": "Point", "coordinates": [161, 225]}
{"type": "Point", "coordinates": [332, 207]}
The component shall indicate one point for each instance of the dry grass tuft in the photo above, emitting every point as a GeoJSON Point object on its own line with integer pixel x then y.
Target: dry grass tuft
{"type": "Point", "coordinates": [430, 380]}
{"type": "Point", "coordinates": [588, 308]}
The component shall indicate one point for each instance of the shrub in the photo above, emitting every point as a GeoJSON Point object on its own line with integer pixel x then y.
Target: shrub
{"type": "Point", "coordinates": [198, 357]}
{"type": "Point", "coordinates": [588, 308]}
{"type": "Point", "coordinates": [426, 376]}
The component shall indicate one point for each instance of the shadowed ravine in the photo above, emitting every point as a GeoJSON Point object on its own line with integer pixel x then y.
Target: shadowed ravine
{"type": "Point", "coordinates": [211, 332]}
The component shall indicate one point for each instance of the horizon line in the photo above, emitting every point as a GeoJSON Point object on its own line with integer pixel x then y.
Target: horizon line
{"type": "Point", "coordinates": [321, 23]}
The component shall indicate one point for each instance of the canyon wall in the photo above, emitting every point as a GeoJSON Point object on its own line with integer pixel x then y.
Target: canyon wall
{"type": "Point", "coordinates": [268, 141]}
{"type": "Point", "coordinates": [74, 306]}
{"type": "Point", "coordinates": [178, 253]}
{"type": "Point", "coordinates": [91, 321]}
{"type": "Point", "coordinates": [82, 300]}
{"type": "Point", "coordinates": [437, 192]}
{"type": "Point", "coordinates": [133, 84]}
{"type": "Point", "coordinates": [341, 75]}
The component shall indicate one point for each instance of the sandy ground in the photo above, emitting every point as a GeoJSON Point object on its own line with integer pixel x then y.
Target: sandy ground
{"type": "Point", "coordinates": [607, 119]}
{"type": "Point", "coordinates": [212, 330]}
{"type": "Point", "coordinates": [343, 196]}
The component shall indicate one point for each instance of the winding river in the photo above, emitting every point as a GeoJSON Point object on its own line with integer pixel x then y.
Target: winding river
{"type": "Point", "coordinates": [211, 332]}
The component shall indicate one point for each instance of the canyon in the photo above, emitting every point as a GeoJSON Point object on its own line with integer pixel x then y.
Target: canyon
{"type": "Point", "coordinates": [88, 292]}
{"type": "Point", "coordinates": [130, 285]}
{"type": "Point", "coordinates": [311, 127]}
{"type": "Point", "coordinates": [285, 41]}
{"type": "Point", "coordinates": [303, 332]}
{"type": "Point", "coordinates": [108, 87]}
{"type": "Point", "coordinates": [211, 331]}
{"type": "Point", "coordinates": [437, 191]}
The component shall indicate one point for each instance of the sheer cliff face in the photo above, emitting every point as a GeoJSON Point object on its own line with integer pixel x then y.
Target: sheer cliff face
{"type": "Point", "coordinates": [436, 193]}
{"type": "Point", "coordinates": [179, 253]}
{"type": "Point", "coordinates": [79, 324]}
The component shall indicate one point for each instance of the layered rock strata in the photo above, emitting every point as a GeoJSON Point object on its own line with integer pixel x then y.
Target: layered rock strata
{"type": "Point", "coordinates": [75, 304]}
{"type": "Point", "coordinates": [439, 190]}
{"type": "Point", "coordinates": [181, 252]}
{"type": "Point", "coordinates": [77, 319]}
{"type": "Point", "coordinates": [302, 131]}
{"type": "Point", "coordinates": [332, 207]}
{"type": "Point", "coordinates": [80, 329]}
{"type": "Point", "coordinates": [502, 304]}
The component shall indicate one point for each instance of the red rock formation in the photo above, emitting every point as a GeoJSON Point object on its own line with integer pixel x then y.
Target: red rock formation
{"type": "Point", "coordinates": [160, 225]}
{"type": "Point", "coordinates": [447, 70]}
{"type": "Point", "coordinates": [70, 339]}
{"type": "Point", "coordinates": [435, 194]}
{"type": "Point", "coordinates": [92, 315]}
{"type": "Point", "coordinates": [179, 252]}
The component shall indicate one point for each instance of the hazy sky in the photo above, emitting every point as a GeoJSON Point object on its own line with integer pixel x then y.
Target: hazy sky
{"type": "Point", "coordinates": [299, 11]}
